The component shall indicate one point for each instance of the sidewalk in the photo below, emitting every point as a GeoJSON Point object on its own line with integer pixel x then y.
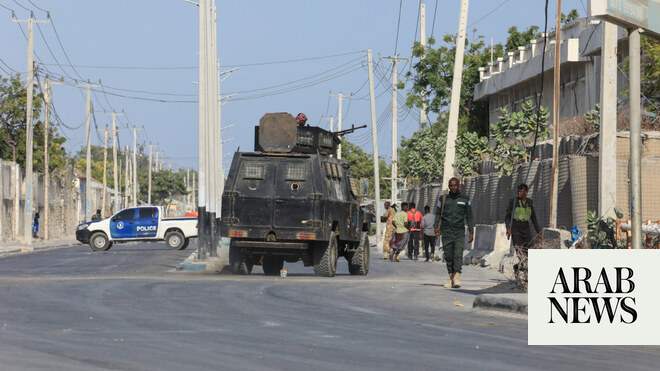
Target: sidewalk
{"type": "Point", "coordinates": [15, 247]}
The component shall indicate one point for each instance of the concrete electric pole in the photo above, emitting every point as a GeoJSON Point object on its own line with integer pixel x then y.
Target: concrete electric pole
{"type": "Point", "coordinates": [608, 107]}
{"type": "Point", "coordinates": [134, 184]}
{"type": "Point", "coordinates": [374, 142]}
{"type": "Point", "coordinates": [88, 158]}
{"type": "Point", "coordinates": [115, 179]}
{"type": "Point", "coordinates": [127, 173]}
{"type": "Point", "coordinates": [105, 167]}
{"type": "Point", "coordinates": [554, 193]}
{"type": "Point", "coordinates": [29, 133]}
{"type": "Point", "coordinates": [48, 99]}
{"type": "Point", "coordinates": [422, 40]}
{"type": "Point", "coordinates": [454, 106]}
{"type": "Point", "coordinates": [395, 138]}
{"type": "Point", "coordinates": [332, 122]}
{"type": "Point", "coordinates": [151, 147]}
{"type": "Point", "coordinates": [340, 96]}
{"type": "Point", "coordinates": [635, 138]}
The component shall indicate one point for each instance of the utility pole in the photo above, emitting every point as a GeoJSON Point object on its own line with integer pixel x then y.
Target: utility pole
{"type": "Point", "coordinates": [422, 40]}
{"type": "Point", "coordinates": [88, 158]}
{"type": "Point", "coordinates": [454, 106]}
{"type": "Point", "coordinates": [114, 155]}
{"type": "Point", "coordinates": [135, 180]}
{"type": "Point", "coordinates": [105, 167]}
{"type": "Point", "coordinates": [48, 98]}
{"type": "Point", "coordinates": [340, 96]}
{"type": "Point", "coordinates": [202, 130]}
{"type": "Point", "coordinates": [332, 122]}
{"type": "Point", "coordinates": [127, 189]}
{"type": "Point", "coordinates": [27, 223]}
{"type": "Point", "coordinates": [635, 139]}
{"type": "Point", "coordinates": [395, 138]}
{"type": "Point", "coordinates": [193, 189]}
{"type": "Point", "coordinates": [555, 122]}
{"type": "Point", "coordinates": [150, 162]}
{"type": "Point", "coordinates": [608, 106]}
{"type": "Point", "coordinates": [374, 142]}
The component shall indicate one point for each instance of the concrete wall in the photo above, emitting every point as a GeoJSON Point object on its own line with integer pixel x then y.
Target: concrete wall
{"type": "Point", "coordinates": [65, 206]}
{"type": "Point", "coordinates": [578, 184]}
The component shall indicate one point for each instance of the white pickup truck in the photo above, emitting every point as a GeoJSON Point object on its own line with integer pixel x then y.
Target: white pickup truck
{"type": "Point", "coordinates": [144, 223]}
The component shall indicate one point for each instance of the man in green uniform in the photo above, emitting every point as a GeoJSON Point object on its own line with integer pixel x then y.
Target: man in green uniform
{"type": "Point", "coordinates": [450, 223]}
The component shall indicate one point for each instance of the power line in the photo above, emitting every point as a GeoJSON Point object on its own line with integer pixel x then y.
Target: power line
{"type": "Point", "coordinates": [228, 65]}
{"type": "Point", "coordinates": [396, 43]}
{"type": "Point", "coordinates": [435, 12]}
{"type": "Point", "coordinates": [36, 6]}
{"type": "Point", "coordinates": [489, 13]}
{"type": "Point", "coordinates": [19, 4]}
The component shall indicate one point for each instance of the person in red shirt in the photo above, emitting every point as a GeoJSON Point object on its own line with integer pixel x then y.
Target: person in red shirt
{"type": "Point", "coordinates": [415, 226]}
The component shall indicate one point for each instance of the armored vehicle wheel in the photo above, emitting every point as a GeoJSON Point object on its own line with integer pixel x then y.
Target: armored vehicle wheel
{"type": "Point", "coordinates": [272, 265]}
{"type": "Point", "coordinates": [185, 244]}
{"type": "Point", "coordinates": [325, 258]}
{"type": "Point", "coordinates": [238, 261]}
{"type": "Point", "coordinates": [99, 242]}
{"type": "Point", "coordinates": [174, 240]}
{"type": "Point", "coordinates": [358, 262]}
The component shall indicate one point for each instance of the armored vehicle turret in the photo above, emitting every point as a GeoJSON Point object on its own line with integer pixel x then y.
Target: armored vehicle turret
{"type": "Point", "coordinates": [292, 200]}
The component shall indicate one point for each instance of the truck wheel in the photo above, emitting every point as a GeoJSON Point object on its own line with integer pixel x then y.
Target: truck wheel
{"type": "Point", "coordinates": [185, 244]}
{"type": "Point", "coordinates": [174, 240]}
{"type": "Point", "coordinates": [99, 242]}
{"type": "Point", "coordinates": [238, 262]}
{"type": "Point", "coordinates": [358, 262]}
{"type": "Point", "coordinates": [325, 258]}
{"type": "Point", "coordinates": [272, 265]}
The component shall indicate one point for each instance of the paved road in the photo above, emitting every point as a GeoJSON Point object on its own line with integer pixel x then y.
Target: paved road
{"type": "Point", "coordinates": [127, 309]}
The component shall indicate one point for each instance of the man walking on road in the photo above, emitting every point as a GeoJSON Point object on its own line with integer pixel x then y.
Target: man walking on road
{"type": "Point", "coordinates": [415, 227]}
{"type": "Point", "coordinates": [519, 213]}
{"type": "Point", "coordinates": [389, 228]}
{"type": "Point", "coordinates": [453, 210]}
{"type": "Point", "coordinates": [400, 237]}
{"type": "Point", "coordinates": [429, 234]}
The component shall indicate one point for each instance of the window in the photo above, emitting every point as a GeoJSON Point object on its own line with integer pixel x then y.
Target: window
{"type": "Point", "coordinates": [127, 214]}
{"type": "Point", "coordinates": [305, 138]}
{"type": "Point", "coordinates": [338, 171]}
{"type": "Point", "coordinates": [326, 140]}
{"type": "Point", "coordinates": [254, 171]}
{"type": "Point", "coordinates": [354, 187]}
{"type": "Point", "coordinates": [147, 213]}
{"type": "Point", "coordinates": [295, 172]}
{"type": "Point", "coordinates": [328, 169]}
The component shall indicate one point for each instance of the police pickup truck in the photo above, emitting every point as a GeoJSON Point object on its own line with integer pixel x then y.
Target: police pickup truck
{"type": "Point", "coordinates": [145, 223]}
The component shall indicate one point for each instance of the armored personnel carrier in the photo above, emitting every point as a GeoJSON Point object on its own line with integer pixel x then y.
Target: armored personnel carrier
{"type": "Point", "coordinates": [291, 200]}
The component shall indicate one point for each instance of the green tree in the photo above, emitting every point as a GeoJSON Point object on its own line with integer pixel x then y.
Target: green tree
{"type": "Point", "coordinates": [517, 38]}
{"type": "Point", "coordinates": [650, 84]}
{"type": "Point", "coordinates": [165, 185]}
{"type": "Point", "coordinates": [513, 133]}
{"type": "Point", "coordinates": [422, 157]}
{"type": "Point", "coordinates": [96, 154]}
{"type": "Point", "coordinates": [572, 15]}
{"type": "Point", "coordinates": [13, 121]}
{"type": "Point", "coordinates": [434, 75]}
{"type": "Point", "coordinates": [362, 166]}
{"type": "Point", "coordinates": [471, 149]}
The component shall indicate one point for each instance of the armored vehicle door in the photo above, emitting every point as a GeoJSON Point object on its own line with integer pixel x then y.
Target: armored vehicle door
{"type": "Point", "coordinates": [293, 185]}
{"type": "Point", "coordinates": [255, 186]}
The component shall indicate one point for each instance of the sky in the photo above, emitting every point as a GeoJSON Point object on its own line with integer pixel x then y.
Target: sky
{"type": "Point", "coordinates": [290, 55]}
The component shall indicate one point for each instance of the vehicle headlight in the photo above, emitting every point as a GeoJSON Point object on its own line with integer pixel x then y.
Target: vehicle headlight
{"type": "Point", "coordinates": [83, 226]}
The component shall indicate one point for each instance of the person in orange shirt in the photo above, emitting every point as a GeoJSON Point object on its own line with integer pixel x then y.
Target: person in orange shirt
{"type": "Point", "coordinates": [415, 226]}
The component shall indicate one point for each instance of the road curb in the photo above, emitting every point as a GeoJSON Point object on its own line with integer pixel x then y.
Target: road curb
{"type": "Point", "coordinates": [514, 303]}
